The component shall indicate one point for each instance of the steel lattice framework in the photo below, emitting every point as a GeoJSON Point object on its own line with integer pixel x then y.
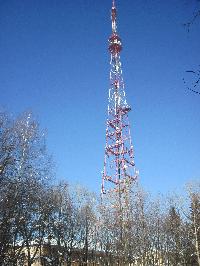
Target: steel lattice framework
{"type": "Point", "coordinates": [119, 167]}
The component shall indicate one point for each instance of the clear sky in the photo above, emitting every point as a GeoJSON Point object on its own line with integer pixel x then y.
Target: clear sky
{"type": "Point", "coordinates": [54, 60]}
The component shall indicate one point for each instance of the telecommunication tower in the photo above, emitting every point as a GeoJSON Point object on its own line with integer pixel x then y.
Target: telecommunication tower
{"type": "Point", "coordinates": [119, 168]}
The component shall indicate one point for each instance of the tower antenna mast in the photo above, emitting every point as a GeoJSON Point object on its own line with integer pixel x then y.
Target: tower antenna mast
{"type": "Point", "coordinates": [119, 167]}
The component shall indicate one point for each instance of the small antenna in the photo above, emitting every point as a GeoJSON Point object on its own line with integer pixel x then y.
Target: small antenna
{"type": "Point", "coordinates": [114, 17]}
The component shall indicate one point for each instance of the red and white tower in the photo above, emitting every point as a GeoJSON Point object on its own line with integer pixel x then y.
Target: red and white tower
{"type": "Point", "coordinates": [119, 167]}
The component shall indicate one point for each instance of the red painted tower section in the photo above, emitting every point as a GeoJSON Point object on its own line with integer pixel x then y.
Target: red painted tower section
{"type": "Point", "coordinates": [119, 167]}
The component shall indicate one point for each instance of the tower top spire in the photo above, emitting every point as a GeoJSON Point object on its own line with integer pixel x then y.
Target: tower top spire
{"type": "Point", "coordinates": [114, 17]}
{"type": "Point", "coordinates": [115, 45]}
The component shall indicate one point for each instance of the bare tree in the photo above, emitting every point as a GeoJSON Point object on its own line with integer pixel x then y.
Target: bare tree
{"type": "Point", "coordinates": [25, 167]}
{"type": "Point", "coordinates": [193, 82]}
{"type": "Point", "coordinates": [195, 16]}
{"type": "Point", "coordinates": [194, 217]}
{"type": "Point", "coordinates": [192, 77]}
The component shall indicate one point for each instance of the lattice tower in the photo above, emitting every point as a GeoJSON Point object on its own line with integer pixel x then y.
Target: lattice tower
{"type": "Point", "coordinates": [119, 168]}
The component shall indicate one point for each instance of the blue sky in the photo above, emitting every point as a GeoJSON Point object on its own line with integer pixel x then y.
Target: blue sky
{"type": "Point", "coordinates": [54, 61]}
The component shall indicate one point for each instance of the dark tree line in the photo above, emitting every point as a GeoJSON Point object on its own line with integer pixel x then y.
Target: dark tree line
{"type": "Point", "coordinates": [57, 224]}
